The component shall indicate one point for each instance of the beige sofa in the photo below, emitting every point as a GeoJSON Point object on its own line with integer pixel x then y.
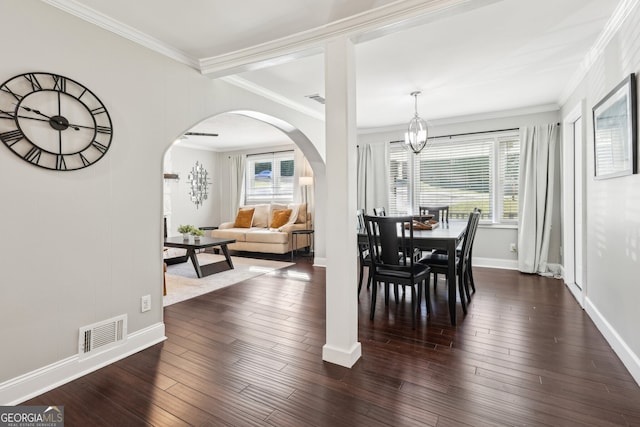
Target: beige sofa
{"type": "Point", "coordinates": [262, 238]}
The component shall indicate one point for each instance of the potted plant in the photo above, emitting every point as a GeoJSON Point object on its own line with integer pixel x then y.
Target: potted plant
{"type": "Point", "coordinates": [185, 230]}
{"type": "Point", "coordinates": [197, 233]}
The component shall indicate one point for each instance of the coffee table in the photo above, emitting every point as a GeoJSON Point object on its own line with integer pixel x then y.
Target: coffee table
{"type": "Point", "coordinates": [191, 247]}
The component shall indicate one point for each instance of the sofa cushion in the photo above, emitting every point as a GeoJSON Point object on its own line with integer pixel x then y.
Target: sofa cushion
{"type": "Point", "coordinates": [274, 207]}
{"type": "Point", "coordinates": [302, 214]}
{"type": "Point", "coordinates": [237, 234]}
{"type": "Point", "coordinates": [259, 235]}
{"type": "Point", "coordinates": [244, 218]}
{"type": "Point", "coordinates": [280, 217]}
{"type": "Point", "coordinates": [294, 212]}
{"type": "Point", "coordinates": [261, 215]}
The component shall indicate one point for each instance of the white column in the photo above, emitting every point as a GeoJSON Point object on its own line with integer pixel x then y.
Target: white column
{"type": "Point", "coordinates": [342, 346]}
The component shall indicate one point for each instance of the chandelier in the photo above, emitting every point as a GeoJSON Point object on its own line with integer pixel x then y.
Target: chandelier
{"type": "Point", "coordinates": [199, 182]}
{"type": "Point", "coordinates": [415, 139]}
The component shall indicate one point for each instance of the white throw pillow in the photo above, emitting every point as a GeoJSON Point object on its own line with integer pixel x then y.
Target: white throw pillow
{"type": "Point", "coordinates": [294, 212]}
{"type": "Point", "coordinates": [261, 215]}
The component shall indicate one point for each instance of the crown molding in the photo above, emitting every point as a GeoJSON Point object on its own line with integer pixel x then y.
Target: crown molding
{"type": "Point", "coordinates": [361, 27]}
{"type": "Point", "coordinates": [496, 115]}
{"type": "Point", "coordinates": [94, 17]}
{"type": "Point", "coordinates": [612, 27]}
{"type": "Point", "coordinates": [492, 115]}
{"type": "Point", "coordinates": [273, 96]}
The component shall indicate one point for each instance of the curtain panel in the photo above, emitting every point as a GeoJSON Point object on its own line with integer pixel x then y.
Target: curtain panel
{"type": "Point", "coordinates": [373, 176]}
{"type": "Point", "coordinates": [236, 187]}
{"type": "Point", "coordinates": [538, 151]}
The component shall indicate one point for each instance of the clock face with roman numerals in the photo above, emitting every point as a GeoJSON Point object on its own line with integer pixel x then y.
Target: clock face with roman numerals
{"type": "Point", "coordinates": [53, 122]}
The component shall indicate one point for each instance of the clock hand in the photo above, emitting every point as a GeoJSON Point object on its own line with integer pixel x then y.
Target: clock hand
{"type": "Point", "coordinates": [55, 119]}
{"type": "Point", "coordinates": [34, 118]}
{"type": "Point", "coordinates": [34, 111]}
{"type": "Point", "coordinates": [77, 127]}
{"type": "Point", "coordinates": [58, 121]}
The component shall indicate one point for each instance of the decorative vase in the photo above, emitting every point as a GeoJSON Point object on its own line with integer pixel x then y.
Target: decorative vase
{"type": "Point", "coordinates": [185, 236]}
{"type": "Point", "coordinates": [196, 239]}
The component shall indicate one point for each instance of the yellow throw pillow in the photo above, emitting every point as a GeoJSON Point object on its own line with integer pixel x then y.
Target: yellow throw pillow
{"type": "Point", "coordinates": [280, 217]}
{"type": "Point", "coordinates": [244, 218]}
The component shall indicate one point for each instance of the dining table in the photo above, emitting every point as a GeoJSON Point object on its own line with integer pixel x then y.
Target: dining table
{"type": "Point", "coordinates": [446, 237]}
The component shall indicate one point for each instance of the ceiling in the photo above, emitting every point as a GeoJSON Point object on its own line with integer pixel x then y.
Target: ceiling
{"type": "Point", "coordinates": [471, 58]}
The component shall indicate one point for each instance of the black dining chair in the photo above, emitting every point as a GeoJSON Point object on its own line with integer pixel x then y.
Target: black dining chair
{"type": "Point", "coordinates": [470, 260]}
{"type": "Point", "coordinates": [438, 262]}
{"type": "Point", "coordinates": [472, 237]}
{"type": "Point", "coordinates": [363, 253]}
{"type": "Point", "coordinates": [440, 213]}
{"type": "Point", "coordinates": [379, 212]}
{"type": "Point", "coordinates": [388, 237]}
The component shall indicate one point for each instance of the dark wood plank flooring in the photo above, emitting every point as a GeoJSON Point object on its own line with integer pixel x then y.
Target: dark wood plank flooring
{"type": "Point", "coordinates": [250, 355]}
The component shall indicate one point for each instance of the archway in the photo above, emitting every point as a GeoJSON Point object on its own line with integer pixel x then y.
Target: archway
{"type": "Point", "coordinates": [219, 167]}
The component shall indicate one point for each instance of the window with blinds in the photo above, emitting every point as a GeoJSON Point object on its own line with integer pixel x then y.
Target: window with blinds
{"type": "Point", "coordinates": [269, 178]}
{"type": "Point", "coordinates": [462, 172]}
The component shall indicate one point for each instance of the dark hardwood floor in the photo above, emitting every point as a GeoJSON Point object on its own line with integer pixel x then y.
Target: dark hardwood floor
{"type": "Point", "coordinates": [250, 355]}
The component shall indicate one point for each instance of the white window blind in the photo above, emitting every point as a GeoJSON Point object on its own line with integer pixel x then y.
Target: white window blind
{"type": "Point", "coordinates": [462, 172]}
{"type": "Point", "coordinates": [269, 178]}
{"type": "Point", "coordinates": [509, 175]}
{"type": "Point", "coordinates": [399, 180]}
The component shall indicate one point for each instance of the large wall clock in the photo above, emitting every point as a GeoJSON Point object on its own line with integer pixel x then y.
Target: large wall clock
{"type": "Point", "coordinates": [53, 122]}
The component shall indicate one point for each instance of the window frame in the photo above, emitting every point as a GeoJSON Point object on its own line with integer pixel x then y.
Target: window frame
{"type": "Point", "coordinates": [276, 194]}
{"type": "Point", "coordinates": [497, 172]}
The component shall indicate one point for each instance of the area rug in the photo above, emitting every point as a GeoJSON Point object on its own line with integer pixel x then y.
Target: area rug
{"type": "Point", "coordinates": [183, 284]}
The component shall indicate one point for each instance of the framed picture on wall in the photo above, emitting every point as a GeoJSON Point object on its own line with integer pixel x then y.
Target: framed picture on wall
{"type": "Point", "coordinates": [614, 131]}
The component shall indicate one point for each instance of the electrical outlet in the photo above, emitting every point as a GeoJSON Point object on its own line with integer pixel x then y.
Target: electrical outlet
{"type": "Point", "coordinates": [145, 303]}
{"type": "Point", "coordinates": [513, 247]}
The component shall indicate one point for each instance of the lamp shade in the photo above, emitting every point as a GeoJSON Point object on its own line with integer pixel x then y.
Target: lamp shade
{"type": "Point", "coordinates": [305, 181]}
{"type": "Point", "coordinates": [415, 139]}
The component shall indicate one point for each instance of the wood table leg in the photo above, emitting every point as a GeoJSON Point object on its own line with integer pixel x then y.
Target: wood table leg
{"type": "Point", "coordinates": [225, 251]}
{"type": "Point", "coordinates": [191, 253]}
{"type": "Point", "coordinates": [206, 269]}
{"type": "Point", "coordinates": [217, 267]}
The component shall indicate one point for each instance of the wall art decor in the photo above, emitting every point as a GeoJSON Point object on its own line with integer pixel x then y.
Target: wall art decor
{"type": "Point", "coordinates": [199, 183]}
{"type": "Point", "coordinates": [614, 131]}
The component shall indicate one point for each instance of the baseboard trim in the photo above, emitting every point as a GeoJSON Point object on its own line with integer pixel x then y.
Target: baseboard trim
{"type": "Point", "coordinates": [340, 357]}
{"type": "Point", "coordinates": [629, 359]}
{"type": "Point", "coordinates": [505, 264]}
{"type": "Point", "coordinates": [576, 292]}
{"type": "Point", "coordinates": [34, 383]}
{"type": "Point", "coordinates": [319, 262]}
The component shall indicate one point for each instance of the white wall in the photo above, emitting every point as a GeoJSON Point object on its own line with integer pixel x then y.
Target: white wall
{"type": "Point", "coordinates": [181, 160]}
{"type": "Point", "coordinates": [612, 226]}
{"type": "Point", "coordinates": [83, 246]}
{"type": "Point", "coordinates": [492, 244]}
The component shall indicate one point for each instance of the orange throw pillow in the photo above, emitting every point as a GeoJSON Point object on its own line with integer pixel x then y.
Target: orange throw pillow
{"type": "Point", "coordinates": [280, 217]}
{"type": "Point", "coordinates": [244, 218]}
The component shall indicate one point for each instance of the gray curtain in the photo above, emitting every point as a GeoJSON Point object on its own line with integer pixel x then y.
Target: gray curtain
{"type": "Point", "coordinates": [373, 176]}
{"type": "Point", "coordinates": [538, 151]}
{"type": "Point", "coordinates": [236, 187]}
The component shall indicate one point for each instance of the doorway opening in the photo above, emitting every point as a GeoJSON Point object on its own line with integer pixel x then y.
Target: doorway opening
{"type": "Point", "coordinates": [214, 145]}
{"type": "Point", "coordinates": [573, 203]}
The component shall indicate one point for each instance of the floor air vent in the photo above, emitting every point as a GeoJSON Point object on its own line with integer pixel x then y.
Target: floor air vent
{"type": "Point", "coordinates": [102, 335]}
